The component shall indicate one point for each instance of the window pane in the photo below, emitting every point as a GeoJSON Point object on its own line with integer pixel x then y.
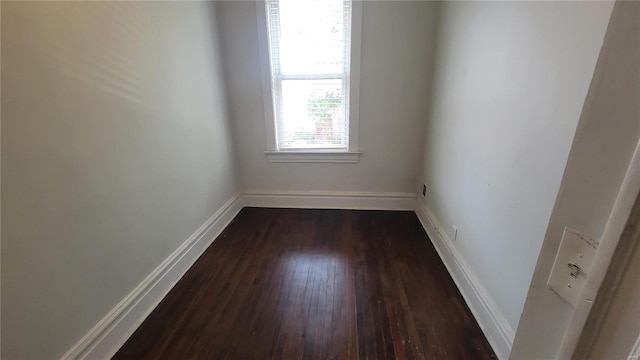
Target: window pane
{"type": "Point", "coordinates": [312, 114]}
{"type": "Point", "coordinates": [312, 36]}
{"type": "Point", "coordinates": [310, 44]}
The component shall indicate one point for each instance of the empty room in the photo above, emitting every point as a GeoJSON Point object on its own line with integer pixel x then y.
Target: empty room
{"type": "Point", "coordinates": [320, 179]}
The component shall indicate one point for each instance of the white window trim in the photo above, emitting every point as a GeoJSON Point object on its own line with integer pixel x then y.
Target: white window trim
{"type": "Point", "coordinates": [325, 156]}
{"type": "Point", "coordinates": [351, 155]}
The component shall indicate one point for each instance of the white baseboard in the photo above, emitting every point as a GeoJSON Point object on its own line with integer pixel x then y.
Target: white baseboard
{"type": "Point", "coordinates": [104, 340]}
{"type": "Point", "coordinates": [330, 200]}
{"type": "Point", "coordinates": [493, 323]}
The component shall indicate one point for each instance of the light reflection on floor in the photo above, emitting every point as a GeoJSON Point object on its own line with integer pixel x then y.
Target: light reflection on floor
{"type": "Point", "coordinates": [316, 285]}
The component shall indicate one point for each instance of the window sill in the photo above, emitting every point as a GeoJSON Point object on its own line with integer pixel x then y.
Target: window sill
{"type": "Point", "coordinates": [339, 157]}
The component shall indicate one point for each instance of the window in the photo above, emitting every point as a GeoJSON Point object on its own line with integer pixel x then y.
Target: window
{"type": "Point", "coordinates": [311, 84]}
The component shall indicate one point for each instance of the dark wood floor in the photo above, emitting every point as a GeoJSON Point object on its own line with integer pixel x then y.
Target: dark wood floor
{"type": "Point", "coordinates": [314, 284]}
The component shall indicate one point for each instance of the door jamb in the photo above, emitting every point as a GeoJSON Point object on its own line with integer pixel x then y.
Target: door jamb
{"type": "Point", "coordinates": [618, 218]}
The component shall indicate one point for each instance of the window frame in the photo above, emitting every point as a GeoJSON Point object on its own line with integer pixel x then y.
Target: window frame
{"type": "Point", "coordinates": [322, 155]}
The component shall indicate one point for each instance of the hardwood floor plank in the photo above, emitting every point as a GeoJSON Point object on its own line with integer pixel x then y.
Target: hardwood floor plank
{"type": "Point", "coordinates": [314, 284]}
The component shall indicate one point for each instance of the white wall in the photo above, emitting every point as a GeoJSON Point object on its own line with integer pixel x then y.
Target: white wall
{"type": "Point", "coordinates": [607, 135]}
{"type": "Point", "coordinates": [114, 151]}
{"type": "Point", "coordinates": [510, 82]}
{"type": "Point", "coordinates": [397, 50]}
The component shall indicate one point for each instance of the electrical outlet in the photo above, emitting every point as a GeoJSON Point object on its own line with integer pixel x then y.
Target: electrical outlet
{"type": "Point", "coordinates": [455, 233]}
{"type": "Point", "coordinates": [424, 190]}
